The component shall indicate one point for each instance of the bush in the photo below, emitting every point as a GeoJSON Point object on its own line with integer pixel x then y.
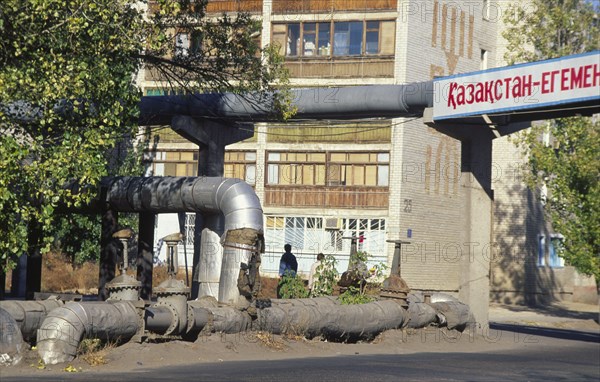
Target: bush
{"type": "Point", "coordinates": [325, 277]}
{"type": "Point", "coordinates": [291, 286]}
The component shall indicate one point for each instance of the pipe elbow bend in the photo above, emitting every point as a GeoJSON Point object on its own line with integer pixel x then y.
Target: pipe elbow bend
{"type": "Point", "coordinates": [60, 333]}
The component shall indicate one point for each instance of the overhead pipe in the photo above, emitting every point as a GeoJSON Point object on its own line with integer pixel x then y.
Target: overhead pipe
{"type": "Point", "coordinates": [381, 101]}
{"type": "Point", "coordinates": [232, 197]}
{"type": "Point", "coordinates": [370, 101]}
{"type": "Point", "coordinates": [235, 199]}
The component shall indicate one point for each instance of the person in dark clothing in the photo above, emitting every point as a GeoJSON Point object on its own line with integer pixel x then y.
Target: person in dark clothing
{"type": "Point", "coordinates": [288, 266]}
{"type": "Point", "coordinates": [288, 263]}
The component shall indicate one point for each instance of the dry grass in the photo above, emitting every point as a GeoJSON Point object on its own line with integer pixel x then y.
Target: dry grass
{"type": "Point", "coordinates": [268, 340]}
{"type": "Point", "coordinates": [58, 275]}
{"type": "Point", "coordinates": [159, 274]}
{"type": "Point", "coordinates": [93, 351]}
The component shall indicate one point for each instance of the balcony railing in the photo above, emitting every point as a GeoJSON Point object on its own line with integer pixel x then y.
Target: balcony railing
{"type": "Point", "coordinates": [330, 197]}
{"type": "Point", "coordinates": [306, 6]}
{"type": "Point", "coordinates": [360, 67]}
{"type": "Point", "coordinates": [220, 6]}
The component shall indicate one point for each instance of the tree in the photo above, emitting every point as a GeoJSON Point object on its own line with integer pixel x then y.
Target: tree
{"type": "Point", "coordinates": [68, 95]}
{"type": "Point", "coordinates": [569, 167]}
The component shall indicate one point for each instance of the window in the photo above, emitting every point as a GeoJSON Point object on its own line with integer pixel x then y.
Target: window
{"type": "Point", "coordinates": [358, 169]}
{"type": "Point", "coordinates": [372, 37]}
{"type": "Point", "coordinates": [541, 251]}
{"type": "Point", "coordinates": [339, 38]}
{"type": "Point", "coordinates": [324, 40]}
{"type": "Point", "coordinates": [189, 224]}
{"type": "Point", "coordinates": [484, 59]}
{"type": "Point", "coordinates": [173, 163]}
{"type": "Point", "coordinates": [241, 165]}
{"type": "Point", "coordinates": [328, 168]}
{"type": "Point", "coordinates": [555, 247]}
{"type": "Point", "coordinates": [182, 44]}
{"type": "Point", "coordinates": [348, 38]}
{"type": "Point", "coordinates": [186, 43]}
{"type": "Point", "coordinates": [311, 234]}
{"type": "Point", "coordinates": [293, 40]}
{"type": "Point", "coordinates": [296, 168]}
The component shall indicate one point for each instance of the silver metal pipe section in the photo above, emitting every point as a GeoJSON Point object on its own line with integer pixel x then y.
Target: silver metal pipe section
{"type": "Point", "coordinates": [230, 272]}
{"type": "Point", "coordinates": [29, 315]}
{"type": "Point", "coordinates": [384, 101]}
{"type": "Point", "coordinates": [232, 197]}
{"type": "Point", "coordinates": [63, 329]}
{"type": "Point", "coordinates": [439, 309]}
{"type": "Point", "coordinates": [209, 267]}
{"type": "Point", "coordinates": [11, 340]}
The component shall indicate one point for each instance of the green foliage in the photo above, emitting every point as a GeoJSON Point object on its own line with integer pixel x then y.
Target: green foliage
{"type": "Point", "coordinates": [57, 56]}
{"type": "Point", "coordinates": [543, 29]}
{"type": "Point", "coordinates": [325, 277]}
{"type": "Point", "coordinates": [569, 167]}
{"type": "Point", "coordinates": [223, 54]}
{"type": "Point", "coordinates": [292, 286]}
{"type": "Point", "coordinates": [570, 171]}
{"type": "Point", "coordinates": [68, 100]}
{"type": "Point", "coordinates": [358, 268]}
{"type": "Point", "coordinates": [355, 295]}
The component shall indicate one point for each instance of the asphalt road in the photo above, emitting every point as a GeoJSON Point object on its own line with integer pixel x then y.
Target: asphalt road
{"type": "Point", "coordinates": [548, 355]}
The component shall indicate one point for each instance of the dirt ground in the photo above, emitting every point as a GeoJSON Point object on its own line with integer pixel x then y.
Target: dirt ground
{"type": "Point", "coordinates": [263, 346]}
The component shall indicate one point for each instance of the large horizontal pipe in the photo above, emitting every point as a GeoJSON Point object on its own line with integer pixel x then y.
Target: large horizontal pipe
{"type": "Point", "coordinates": [332, 321]}
{"type": "Point", "coordinates": [29, 315]}
{"type": "Point", "coordinates": [374, 101]}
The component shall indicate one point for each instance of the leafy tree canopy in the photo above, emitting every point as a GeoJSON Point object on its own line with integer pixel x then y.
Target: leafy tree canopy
{"type": "Point", "coordinates": [68, 94]}
{"type": "Point", "coordinates": [568, 164]}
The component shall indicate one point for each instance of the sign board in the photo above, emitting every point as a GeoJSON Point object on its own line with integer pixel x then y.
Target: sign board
{"type": "Point", "coordinates": [558, 81]}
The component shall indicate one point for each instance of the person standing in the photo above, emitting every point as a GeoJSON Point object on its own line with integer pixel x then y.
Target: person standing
{"type": "Point", "coordinates": [288, 263]}
{"type": "Point", "coordinates": [288, 266]}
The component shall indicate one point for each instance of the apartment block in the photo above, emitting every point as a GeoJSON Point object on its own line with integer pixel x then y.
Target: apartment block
{"type": "Point", "coordinates": [321, 182]}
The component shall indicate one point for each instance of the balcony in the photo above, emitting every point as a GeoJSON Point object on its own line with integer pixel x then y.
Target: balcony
{"type": "Point", "coordinates": [221, 6]}
{"type": "Point", "coordinates": [329, 197]}
{"type": "Point", "coordinates": [311, 6]}
{"type": "Point", "coordinates": [352, 67]}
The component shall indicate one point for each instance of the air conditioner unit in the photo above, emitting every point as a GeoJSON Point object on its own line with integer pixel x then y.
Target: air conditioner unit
{"type": "Point", "coordinates": [333, 223]}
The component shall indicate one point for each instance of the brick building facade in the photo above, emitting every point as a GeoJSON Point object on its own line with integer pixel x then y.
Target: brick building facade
{"type": "Point", "coordinates": [320, 181]}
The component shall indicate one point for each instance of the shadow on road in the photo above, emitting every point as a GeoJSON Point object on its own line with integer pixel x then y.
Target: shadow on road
{"type": "Point", "coordinates": [564, 334]}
